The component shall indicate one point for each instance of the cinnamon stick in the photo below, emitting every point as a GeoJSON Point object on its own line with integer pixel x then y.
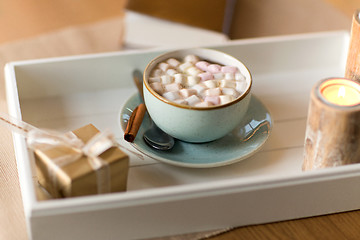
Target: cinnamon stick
{"type": "Point", "coordinates": [134, 122]}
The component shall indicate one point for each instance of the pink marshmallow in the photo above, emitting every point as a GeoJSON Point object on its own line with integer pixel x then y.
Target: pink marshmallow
{"type": "Point", "coordinates": [214, 68]}
{"type": "Point", "coordinates": [213, 99]}
{"type": "Point", "coordinates": [229, 69]}
{"type": "Point", "coordinates": [202, 65]}
{"type": "Point", "coordinates": [206, 76]}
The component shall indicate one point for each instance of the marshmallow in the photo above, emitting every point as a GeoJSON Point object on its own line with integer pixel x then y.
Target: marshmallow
{"type": "Point", "coordinates": [166, 79]}
{"type": "Point", "coordinates": [171, 72]}
{"type": "Point", "coordinates": [185, 93]}
{"type": "Point", "coordinates": [206, 76]}
{"type": "Point", "coordinates": [172, 96]}
{"type": "Point", "coordinates": [218, 75]}
{"type": "Point", "coordinates": [181, 101]}
{"type": "Point", "coordinates": [192, 100]}
{"type": "Point", "coordinates": [191, 58]}
{"type": "Point", "coordinates": [204, 104]}
{"type": "Point", "coordinates": [229, 76]}
{"type": "Point", "coordinates": [215, 100]}
{"type": "Point", "coordinates": [194, 71]}
{"type": "Point", "coordinates": [173, 62]}
{"type": "Point", "coordinates": [164, 66]}
{"type": "Point", "coordinates": [211, 83]}
{"type": "Point", "coordinates": [202, 65]}
{"type": "Point", "coordinates": [225, 99]}
{"type": "Point", "coordinates": [241, 86]}
{"type": "Point", "coordinates": [192, 80]}
{"type": "Point", "coordinates": [180, 78]}
{"type": "Point", "coordinates": [157, 72]}
{"type": "Point", "coordinates": [184, 66]}
{"type": "Point", "coordinates": [213, 92]}
{"type": "Point", "coordinates": [157, 86]}
{"type": "Point", "coordinates": [199, 88]}
{"type": "Point", "coordinates": [229, 69]}
{"type": "Point", "coordinates": [239, 76]}
{"type": "Point", "coordinates": [227, 84]}
{"type": "Point", "coordinates": [230, 91]}
{"type": "Point", "coordinates": [214, 68]}
{"type": "Point", "coordinates": [172, 87]}
{"type": "Point", "coordinates": [154, 79]}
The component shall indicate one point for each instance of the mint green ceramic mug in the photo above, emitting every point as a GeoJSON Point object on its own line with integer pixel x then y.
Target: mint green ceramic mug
{"type": "Point", "coordinates": [191, 123]}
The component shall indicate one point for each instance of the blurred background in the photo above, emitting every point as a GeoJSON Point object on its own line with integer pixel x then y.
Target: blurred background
{"type": "Point", "coordinates": [235, 18]}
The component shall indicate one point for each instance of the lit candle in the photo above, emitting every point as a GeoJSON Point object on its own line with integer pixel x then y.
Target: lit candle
{"type": "Point", "coordinates": [340, 91]}
{"type": "Point", "coordinates": [332, 136]}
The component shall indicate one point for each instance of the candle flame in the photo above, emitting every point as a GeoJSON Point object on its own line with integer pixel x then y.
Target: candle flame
{"type": "Point", "coordinates": [341, 92]}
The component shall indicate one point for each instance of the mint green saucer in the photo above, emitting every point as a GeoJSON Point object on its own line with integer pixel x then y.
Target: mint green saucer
{"type": "Point", "coordinates": [246, 139]}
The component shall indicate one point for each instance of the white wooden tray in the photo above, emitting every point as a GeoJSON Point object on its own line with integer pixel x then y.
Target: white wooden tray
{"type": "Point", "coordinates": [69, 92]}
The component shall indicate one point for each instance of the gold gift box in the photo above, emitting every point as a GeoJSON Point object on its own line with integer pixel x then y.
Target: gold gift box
{"type": "Point", "coordinates": [78, 178]}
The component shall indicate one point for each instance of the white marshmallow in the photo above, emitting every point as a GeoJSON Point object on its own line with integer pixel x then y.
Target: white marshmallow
{"type": "Point", "coordinates": [218, 75]}
{"type": "Point", "coordinates": [239, 76]}
{"type": "Point", "coordinates": [185, 93]}
{"type": "Point", "coordinates": [193, 71]}
{"type": "Point", "coordinates": [229, 76]}
{"type": "Point", "coordinates": [230, 91]}
{"type": "Point", "coordinates": [157, 86]}
{"type": "Point", "coordinates": [241, 86]}
{"type": "Point", "coordinates": [184, 66]}
{"type": "Point", "coordinates": [192, 81]}
{"type": "Point", "coordinates": [227, 84]}
{"type": "Point", "coordinates": [157, 72]}
{"type": "Point", "coordinates": [172, 87]}
{"type": "Point", "coordinates": [154, 79]}
{"type": "Point", "coordinates": [181, 101]}
{"type": "Point", "coordinates": [199, 88]}
{"type": "Point", "coordinates": [164, 66]}
{"type": "Point", "coordinates": [192, 100]}
{"type": "Point", "coordinates": [180, 78]}
{"type": "Point", "coordinates": [173, 62]}
{"type": "Point", "coordinates": [166, 79]}
{"type": "Point", "coordinates": [171, 72]}
{"type": "Point", "coordinates": [172, 96]}
{"type": "Point", "coordinates": [211, 83]}
{"type": "Point", "coordinates": [225, 99]}
{"type": "Point", "coordinates": [213, 92]}
{"type": "Point", "coordinates": [191, 58]}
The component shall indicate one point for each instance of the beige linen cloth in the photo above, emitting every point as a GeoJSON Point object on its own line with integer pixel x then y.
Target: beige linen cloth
{"type": "Point", "coordinates": [101, 36]}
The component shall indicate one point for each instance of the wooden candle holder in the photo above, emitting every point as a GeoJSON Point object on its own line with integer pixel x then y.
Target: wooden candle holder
{"type": "Point", "coordinates": [352, 70]}
{"type": "Point", "coordinates": [333, 131]}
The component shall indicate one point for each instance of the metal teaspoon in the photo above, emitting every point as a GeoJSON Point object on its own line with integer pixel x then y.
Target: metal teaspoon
{"type": "Point", "coordinates": [153, 136]}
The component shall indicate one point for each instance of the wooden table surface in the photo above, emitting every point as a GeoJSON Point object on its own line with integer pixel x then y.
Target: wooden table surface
{"type": "Point", "coordinates": [16, 16]}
